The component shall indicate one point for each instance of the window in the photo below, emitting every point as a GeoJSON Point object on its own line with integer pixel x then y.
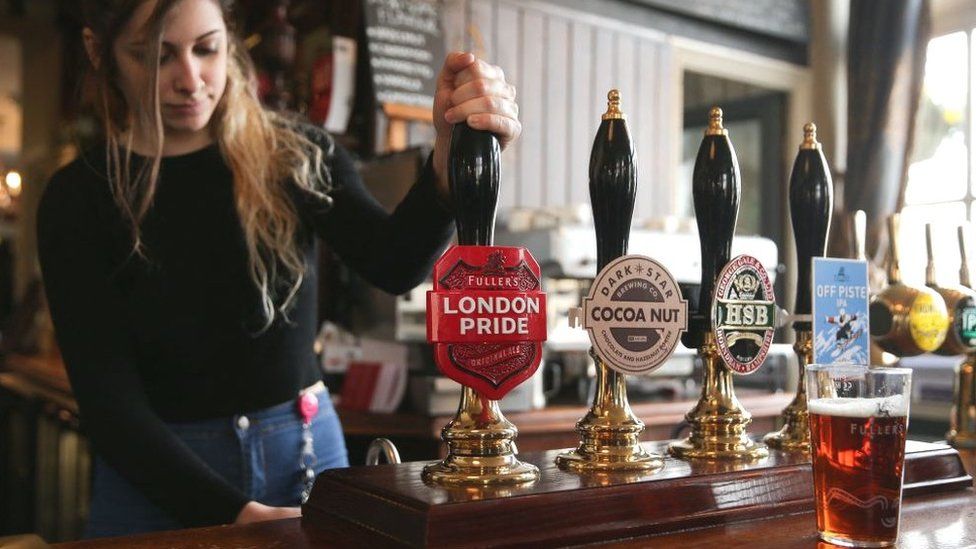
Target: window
{"type": "Point", "coordinates": [941, 187]}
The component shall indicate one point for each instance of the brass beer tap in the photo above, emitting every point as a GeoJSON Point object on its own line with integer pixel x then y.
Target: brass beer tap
{"type": "Point", "coordinates": [906, 320]}
{"type": "Point", "coordinates": [962, 419]}
{"type": "Point", "coordinates": [811, 204]}
{"type": "Point", "coordinates": [718, 422]}
{"type": "Point", "coordinates": [480, 441]}
{"type": "Point", "coordinates": [610, 432]}
{"type": "Point", "coordinates": [960, 301]}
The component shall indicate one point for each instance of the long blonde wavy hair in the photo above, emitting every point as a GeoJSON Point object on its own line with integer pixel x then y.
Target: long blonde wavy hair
{"type": "Point", "coordinates": [264, 150]}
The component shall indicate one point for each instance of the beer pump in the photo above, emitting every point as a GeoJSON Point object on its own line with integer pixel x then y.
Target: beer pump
{"type": "Point", "coordinates": [718, 422]}
{"type": "Point", "coordinates": [811, 204]}
{"type": "Point", "coordinates": [960, 303]}
{"type": "Point", "coordinates": [859, 230]}
{"type": "Point", "coordinates": [906, 320]}
{"type": "Point", "coordinates": [962, 420]}
{"type": "Point", "coordinates": [610, 432]}
{"type": "Point", "coordinates": [487, 360]}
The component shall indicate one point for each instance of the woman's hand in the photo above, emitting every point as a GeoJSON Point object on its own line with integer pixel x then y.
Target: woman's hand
{"type": "Point", "coordinates": [257, 512]}
{"type": "Point", "coordinates": [469, 89]}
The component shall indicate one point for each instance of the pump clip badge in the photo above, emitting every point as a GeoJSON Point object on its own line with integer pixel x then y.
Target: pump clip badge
{"type": "Point", "coordinates": [743, 314]}
{"type": "Point", "coordinates": [486, 317]}
{"type": "Point", "coordinates": [635, 314]}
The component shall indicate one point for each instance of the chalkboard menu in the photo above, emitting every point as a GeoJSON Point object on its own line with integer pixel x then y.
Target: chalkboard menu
{"type": "Point", "coordinates": [406, 50]}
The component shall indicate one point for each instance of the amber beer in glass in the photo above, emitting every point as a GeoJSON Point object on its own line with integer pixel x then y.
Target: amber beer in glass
{"type": "Point", "coordinates": [858, 422]}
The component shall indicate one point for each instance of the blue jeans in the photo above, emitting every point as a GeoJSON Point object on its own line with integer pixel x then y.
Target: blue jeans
{"type": "Point", "coordinates": [260, 455]}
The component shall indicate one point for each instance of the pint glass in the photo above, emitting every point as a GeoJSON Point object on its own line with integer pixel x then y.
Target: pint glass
{"type": "Point", "coordinates": [858, 421]}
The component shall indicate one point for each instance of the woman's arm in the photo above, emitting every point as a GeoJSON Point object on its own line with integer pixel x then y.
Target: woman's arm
{"type": "Point", "coordinates": [394, 252]}
{"type": "Point", "coordinates": [93, 337]}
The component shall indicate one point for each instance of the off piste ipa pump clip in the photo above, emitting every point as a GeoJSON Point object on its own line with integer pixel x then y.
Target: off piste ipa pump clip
{"type": "Point", "coordinates": [486, 319]}
{"type": "Point", "coordinates": [635, 313]}
{"type": "Point", "coordinates": [735, 319]}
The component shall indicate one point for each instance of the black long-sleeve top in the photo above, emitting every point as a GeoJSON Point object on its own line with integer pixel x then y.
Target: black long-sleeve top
{"type": "Point", "coordinates": [174, 335]}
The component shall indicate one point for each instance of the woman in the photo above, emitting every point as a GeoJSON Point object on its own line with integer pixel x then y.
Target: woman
{"type": "Point", "coordinates": [179, 265]}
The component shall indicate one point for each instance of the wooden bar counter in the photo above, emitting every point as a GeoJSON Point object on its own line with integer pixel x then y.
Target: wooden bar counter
{"type": "Point", "coordinates": [944, 519]}
{"type": "Point", "coordinates": [936, 520]}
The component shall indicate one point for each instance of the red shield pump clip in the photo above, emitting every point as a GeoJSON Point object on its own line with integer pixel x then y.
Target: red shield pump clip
{"type": "Point", "coordinates": [486, 317]}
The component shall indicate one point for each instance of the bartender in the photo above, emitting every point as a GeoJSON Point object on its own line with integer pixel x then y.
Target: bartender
{"type": "Point", "coordinates": [179, 264]}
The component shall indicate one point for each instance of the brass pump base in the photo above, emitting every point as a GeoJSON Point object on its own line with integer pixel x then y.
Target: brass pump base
{"type": "Point", "coordinates": [718, 421]}
{"type": "Point", "coordinates": [962, 421]}
{"type": "Point", "coordinates": [472, 470]}
{"type": "Point", "coordinates": [481, 447]}
{"type": "Point", "coordinates": [795, 434]}
{"type": "Point", "coordinates": [609, 432]}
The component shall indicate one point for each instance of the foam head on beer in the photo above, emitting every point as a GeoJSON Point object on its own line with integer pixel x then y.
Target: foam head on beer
{"type": "Point", "coordinates": [890, 406]}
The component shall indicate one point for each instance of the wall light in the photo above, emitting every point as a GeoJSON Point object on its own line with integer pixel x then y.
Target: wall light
{"type": "Point", "coordinates": [13, 182]}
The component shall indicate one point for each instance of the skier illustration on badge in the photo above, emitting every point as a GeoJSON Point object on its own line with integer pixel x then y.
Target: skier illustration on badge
{"type": "Point", "coordinates": [848, 329]}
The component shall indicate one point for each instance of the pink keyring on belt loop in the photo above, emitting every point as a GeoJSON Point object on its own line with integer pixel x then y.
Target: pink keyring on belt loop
{"type": "Point", "coordinates": [308, 406]}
